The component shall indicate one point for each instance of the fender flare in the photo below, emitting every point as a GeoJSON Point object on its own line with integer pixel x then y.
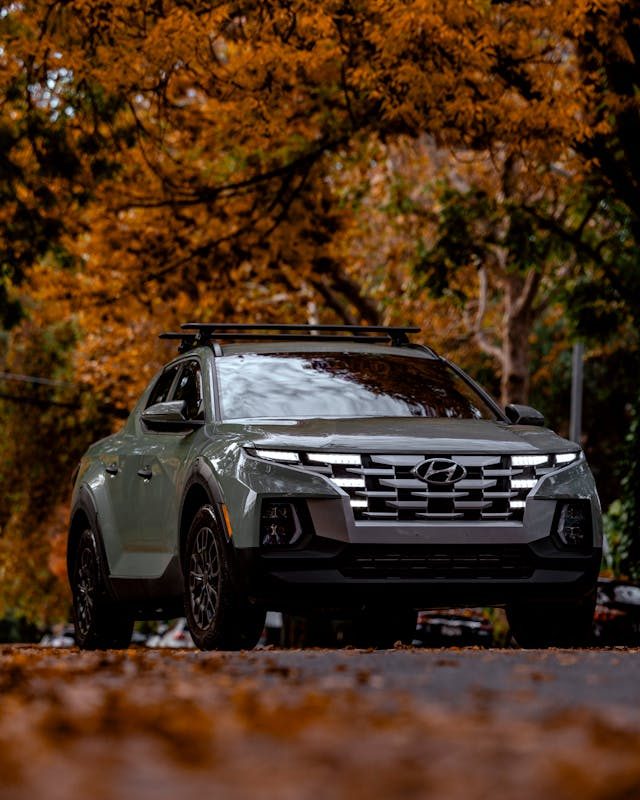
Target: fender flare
{"type": "Point", "coordinates": [202, 473]}
{"type": "Point", "coordinates": [85, 503]}
{"type": "Point", "coordinates": [203, 476]}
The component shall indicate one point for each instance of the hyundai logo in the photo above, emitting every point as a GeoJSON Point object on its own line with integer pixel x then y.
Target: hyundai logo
{"type": "Point", "coordinates": [439, 471]}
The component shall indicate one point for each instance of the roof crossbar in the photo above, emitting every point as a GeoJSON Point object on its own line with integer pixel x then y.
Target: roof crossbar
{"type": "Point", "coordinates": [226, 326]}
{"type": "Point", "coordinates": [288, 337]}
{"type": "Point", "coordinates": [195, 333]}
{"type": "Point", "coordinates": [397, 335]}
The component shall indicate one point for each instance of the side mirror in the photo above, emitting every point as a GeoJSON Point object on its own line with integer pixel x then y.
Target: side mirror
{"type": "Point", "coordinates": [523, 415]}
{"type": "Point", "coordinates": [168, 416]}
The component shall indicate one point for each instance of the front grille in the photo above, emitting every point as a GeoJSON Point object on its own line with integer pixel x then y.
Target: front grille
{"type": "Point", "coordinates": [384, 487]}
{"type": "Point", "coordinates": [438, 561]}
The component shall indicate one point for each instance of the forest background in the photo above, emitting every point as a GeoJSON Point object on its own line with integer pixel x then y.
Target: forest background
{"type": "Point", "coordinates": [469, 166]}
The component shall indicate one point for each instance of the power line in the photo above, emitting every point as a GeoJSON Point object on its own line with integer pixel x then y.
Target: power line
{"type": "Point", "coordinates": [15, 376]}
{"type": "Point", "coordinates": [103, 408]}
{"type": "Point", "coordinates": [34, 401]}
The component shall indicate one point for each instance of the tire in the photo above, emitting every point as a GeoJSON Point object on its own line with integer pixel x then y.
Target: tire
{"type": "Point", "coordinates": [553, 625]}
{"type": "Point", "coordinates": [99, 623]}
{"type": "Point", "coordinates": [382, 628]}
{"type": "Point", "coordinates": [218, 615]}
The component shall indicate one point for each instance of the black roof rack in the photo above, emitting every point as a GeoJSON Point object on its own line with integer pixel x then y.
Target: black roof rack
{"type": "Point", "coordinates": [198, 333]}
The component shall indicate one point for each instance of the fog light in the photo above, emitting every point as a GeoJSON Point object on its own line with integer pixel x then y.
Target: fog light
{"type": "Point", "coordinates": [574, 525]}
{"type": "Point", "coordinates": [279, 524]}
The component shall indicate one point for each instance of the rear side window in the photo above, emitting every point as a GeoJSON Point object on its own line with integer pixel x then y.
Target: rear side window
{"type": "Point", "coordinates": [160, 392]}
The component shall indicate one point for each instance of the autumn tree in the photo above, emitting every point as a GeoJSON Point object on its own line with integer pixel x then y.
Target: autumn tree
{"type": "Point", "coordinates": [168, 160]}
{"type": "Point", "coordinates": [223, 121]}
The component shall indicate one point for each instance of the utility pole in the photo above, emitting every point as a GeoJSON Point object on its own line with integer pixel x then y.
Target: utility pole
{"type": "Point", "coordinates": [575, 425]}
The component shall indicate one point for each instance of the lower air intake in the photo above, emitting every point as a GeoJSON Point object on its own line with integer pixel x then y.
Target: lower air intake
{"type": "Point", "coordinates": [437, 561]}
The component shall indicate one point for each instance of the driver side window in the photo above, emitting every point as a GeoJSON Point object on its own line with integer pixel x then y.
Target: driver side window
{"type": "Point", "coordinates": [189, 389]}
{"type": "Point", "coordinates": [160, 392]}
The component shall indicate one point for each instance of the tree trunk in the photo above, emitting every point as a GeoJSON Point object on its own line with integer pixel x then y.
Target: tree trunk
{"type": "Point", "coordinates": [516, 353]}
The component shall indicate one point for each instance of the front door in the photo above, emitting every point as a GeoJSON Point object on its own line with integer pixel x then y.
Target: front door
{"type": "Point", "coordinates": [164, 458]}
{"type": "Point", "coordinates": [118, 515]}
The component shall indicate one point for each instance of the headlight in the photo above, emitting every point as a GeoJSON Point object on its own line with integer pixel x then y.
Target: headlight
{"type": "Point", "coordinates": [311, 459]}
{"type": "Point", "coordinates": [342, 470]}
{"type": "Point", "coordinates": [548, 460]}
{"type": "Point", "coordinates": [545, 459]}
{"type": "Point", "coordinates": [527, 470]}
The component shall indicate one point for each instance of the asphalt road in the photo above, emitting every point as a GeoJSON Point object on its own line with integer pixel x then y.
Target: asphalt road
{"type": "Point", "coordinates": [320, 724]}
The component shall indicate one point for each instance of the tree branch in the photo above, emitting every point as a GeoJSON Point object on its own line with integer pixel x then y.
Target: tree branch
{"type": "Point", "coordinates": [366, 308]}
{"type": "Point", "coordinates": [528, 294]}
{"type": "Point", "coordinates": [209, 193]}
{"type": "Point", "coordinates": [478, 333]}
{"type": "Point", "coordinates": [335, 303]}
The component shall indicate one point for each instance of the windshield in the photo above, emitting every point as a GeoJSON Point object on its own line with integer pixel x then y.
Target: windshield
{"type": "Point", "coordinates": [295, 385]}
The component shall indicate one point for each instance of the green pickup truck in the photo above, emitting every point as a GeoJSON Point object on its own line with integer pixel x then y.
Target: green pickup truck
{"type": "Point", "coordinates": [334, 469]}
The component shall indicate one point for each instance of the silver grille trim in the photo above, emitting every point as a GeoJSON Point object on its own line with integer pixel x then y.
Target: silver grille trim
{"type": "Point", "coordinates": [393, 492]}
{"type": "Point", "coordinates": [387, 486]}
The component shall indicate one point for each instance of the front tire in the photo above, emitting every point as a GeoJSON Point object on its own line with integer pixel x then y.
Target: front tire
{"type": "Point", "coordinates": [553, 625]}
{"type": "Point", "coordinates": [218, 615]}
{"type": "Point", "coordinates": [99, 623]}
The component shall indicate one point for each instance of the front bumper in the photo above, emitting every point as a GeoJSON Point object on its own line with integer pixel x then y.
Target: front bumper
{"type": "Point", "coordinates": [343, 562]}
{"type": "Point", "coordinates": [332, 575]}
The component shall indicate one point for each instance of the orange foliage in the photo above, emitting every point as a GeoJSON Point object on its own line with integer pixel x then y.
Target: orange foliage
{"type": "Point", "coordinates": [170, 161]}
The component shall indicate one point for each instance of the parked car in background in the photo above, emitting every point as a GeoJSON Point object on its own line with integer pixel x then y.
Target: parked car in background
{"type": "Point", "coordinates": [59, 636]}
{"type": "Point", "coordinates": [458, 628]}
{"type": "Point", "coordinates": [331, 470]}
{"type": "Point", "coordinates": [617, 617]}
{"type": "Point", "coordinates": [65, 636]}
{"type": "Point", "coordinates": [174, 636]}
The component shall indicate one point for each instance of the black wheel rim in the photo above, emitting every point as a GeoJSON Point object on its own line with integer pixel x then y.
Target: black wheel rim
{"type": "Point", "coordinates": [86, 590]}
{"type": "Point", "coordinates": [204, 579]}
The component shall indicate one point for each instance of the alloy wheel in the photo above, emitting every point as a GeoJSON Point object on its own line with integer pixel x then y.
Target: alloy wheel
{"type": "Point", "coordinates": [86, 587]}
{"type": "Point", "coordinates": [204, 578]}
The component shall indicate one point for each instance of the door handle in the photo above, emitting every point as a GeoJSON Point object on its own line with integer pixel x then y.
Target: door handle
{"type": "Point", "coordinates": [112, 469]}
{"type": "Point", "coordinates": [145, 473]}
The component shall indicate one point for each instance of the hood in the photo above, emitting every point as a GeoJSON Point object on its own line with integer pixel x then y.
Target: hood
{"type": "Point", "coordinates": [399, 435]}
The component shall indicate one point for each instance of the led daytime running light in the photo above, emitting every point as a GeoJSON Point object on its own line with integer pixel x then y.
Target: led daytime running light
{"type": "Point", "coordinates": [358, 503]}
{"type": "Point", "coordinates": [523, 483]}
{"type": "Point", "coordinates": [529, 461]}
{"type": "Point", "coordinates": [566, 458]}
{"type": "Point", "coordinates": [349, 483]}
{"type": "Point", "coordinates": [348, 459]}
{"type": "Point", "coordinates": [279, 455]}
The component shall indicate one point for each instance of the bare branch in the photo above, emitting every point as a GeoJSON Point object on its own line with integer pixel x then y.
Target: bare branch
{"type": "Point", "coordinates": [350, 290]}
{"type": "Point", "coordinates": [528, 294]}
{"type": "Point", "coordinates": [209, 193]}
{"type": "Point", "coordinates": [333, 300]}
{"type": "Point", "coordinates": [590, 212]}
{"type": "Point", "coordinates": [479, 334]}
